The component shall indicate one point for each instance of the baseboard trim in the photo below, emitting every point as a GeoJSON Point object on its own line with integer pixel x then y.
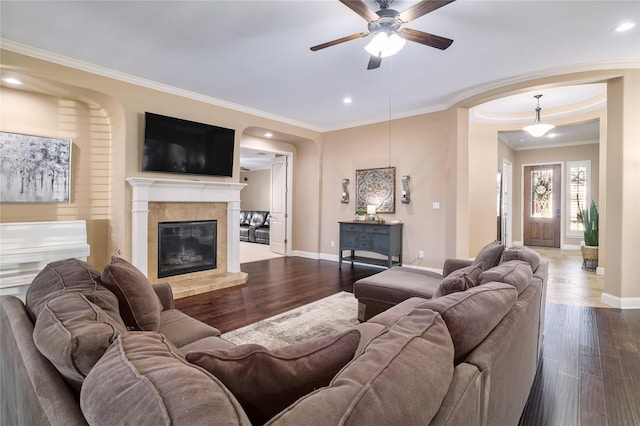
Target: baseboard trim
{"type": "Point", "coordinates": [570, 247]}
{"type": "Point", "coordinates": [620, 302]}
{"type": "Point", "coordinates": [307, 254]}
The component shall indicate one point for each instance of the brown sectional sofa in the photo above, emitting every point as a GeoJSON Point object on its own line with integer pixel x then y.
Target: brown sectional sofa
{"type": "Point", "coordinates": [464, 358]}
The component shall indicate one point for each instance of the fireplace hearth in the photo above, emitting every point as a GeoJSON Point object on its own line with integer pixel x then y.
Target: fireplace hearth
{"type": "Point", "coordinates": [186, 246]}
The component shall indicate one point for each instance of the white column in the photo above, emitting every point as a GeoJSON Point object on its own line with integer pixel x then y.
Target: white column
{"type": "Point", "coordinates": [140, 225]}
{"type": "Point", "coordinates": [233, 236]}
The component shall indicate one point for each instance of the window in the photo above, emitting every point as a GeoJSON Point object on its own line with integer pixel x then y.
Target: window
{"type": "Point", "coordinates": [579, 181]}
{"type": "Point", "coordinates": [541, 193]}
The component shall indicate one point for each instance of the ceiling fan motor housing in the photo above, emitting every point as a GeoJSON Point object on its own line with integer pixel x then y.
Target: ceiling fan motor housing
{"type": "Point", "coordinates": [389, 21]}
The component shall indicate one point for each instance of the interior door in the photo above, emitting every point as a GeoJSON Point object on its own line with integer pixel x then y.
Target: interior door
{"type": "Point", "coordinates": [542, 188]}
{"type": "Point", "coordinates": [278, 212]}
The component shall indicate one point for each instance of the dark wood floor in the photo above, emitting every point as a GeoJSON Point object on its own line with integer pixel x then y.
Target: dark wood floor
{"type": "Point", "coordinates": [590, 368]}
{"type": "Point", "coordinates": [274, 286]}
{"type": "Point", "coordinates": [589, 372]}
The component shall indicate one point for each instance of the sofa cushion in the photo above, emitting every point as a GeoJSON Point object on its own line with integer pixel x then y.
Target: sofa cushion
{"type": "Point", "coordinates": [139, 305]}
{"type": "Point", "coordinates": [515, 272]}
{"type": "Point", "coordinates": [489, 256]}
{"type": "Point", "coordinates": [401, 378]}
{"type": "Point", "coordinates": [471, 315]}
{"type": "Point", "coordinates": [266, 382]}
{"type": "Point", "coordinates": [181, 329]}
{"type": "Point", "coordinates": [243, 216]}
{"type": "Point", "coordinates": [69, 275]}
{"type": "Point", "coordinates": [142, 379]}
{"type": "Point", "coordinates": [459, 280]}
{"type": "Point", "coordinates": [73, 333]}
{"type": "Point", "coordinates": [257, 219]}
{"type": "Point", "coordinates": [523, 253]}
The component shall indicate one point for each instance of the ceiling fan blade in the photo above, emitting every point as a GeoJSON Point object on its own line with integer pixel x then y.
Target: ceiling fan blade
{"type": "Point", "coordinates": [359, 7]}
{"type": "Point", "coordinates": [338, 41]}
{"type": "Point", "coordinates": [422, 8]}
{"type": "Point", "coordinates": [374, 62]}
{"type": "Point", "coordinates": [425, 38]}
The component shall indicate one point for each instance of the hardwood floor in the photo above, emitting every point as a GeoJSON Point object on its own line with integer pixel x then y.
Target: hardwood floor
{"type": "Point", "coordinates": [589, 372]}
{"type": "Point", "coordinates": [274, 286]}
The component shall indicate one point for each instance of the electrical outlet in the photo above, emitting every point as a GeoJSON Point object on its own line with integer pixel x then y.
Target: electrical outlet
{"type": "Point", "coordinates": [420, 254]}
{"type": "Point", "coordinates": [333, 243]}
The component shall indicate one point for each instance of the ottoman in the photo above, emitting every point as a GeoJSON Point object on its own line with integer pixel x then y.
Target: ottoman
{"type": "Point", "coordinates": [383, 290]}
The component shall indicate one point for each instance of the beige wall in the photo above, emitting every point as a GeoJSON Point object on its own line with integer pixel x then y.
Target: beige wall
{"type": "Point", "coordinates": [88, 128]}
{"type": "Point", "coordinates": [483, 167]}
{"type": "Point", "coordinates": [257, 194]}
{"type": "Point", "coordinates": [623, 194]}
{"type": "Point", "coordinates": [423, 147]}
{"type": "Point", "coordinates": [437, 150]}
{"type": "Point", "coordinates": [125, 106]}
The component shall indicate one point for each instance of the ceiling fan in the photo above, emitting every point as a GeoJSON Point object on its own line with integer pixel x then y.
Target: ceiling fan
{"type": "Point", "coordinates": [386, 26]}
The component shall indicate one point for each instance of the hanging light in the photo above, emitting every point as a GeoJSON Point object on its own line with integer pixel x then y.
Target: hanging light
{"type": "Point", "coordinates": [537, 128]}
{"type": "Point", "coordinates": [383, 44]}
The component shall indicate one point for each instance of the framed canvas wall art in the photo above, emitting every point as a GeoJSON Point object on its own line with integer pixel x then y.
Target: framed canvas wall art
{"type": "Point", "coordinates": [34, 169]}
{"type": "Point", "coordinates": [376, 187]}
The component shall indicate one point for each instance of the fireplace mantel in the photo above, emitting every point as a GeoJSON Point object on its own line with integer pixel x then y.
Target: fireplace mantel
{"type": "Point", "coordinates": [146, 190]}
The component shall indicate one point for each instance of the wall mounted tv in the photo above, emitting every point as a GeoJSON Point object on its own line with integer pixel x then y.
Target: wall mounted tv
{"type": "Point", "coordinates": [173, 145]}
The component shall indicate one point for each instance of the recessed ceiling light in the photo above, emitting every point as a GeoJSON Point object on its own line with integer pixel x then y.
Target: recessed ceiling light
{"type": "Point", "coordinates": [12, 80]}
{"type": "Point", "coordinates": [347, 100]}
{"type": "Point", "coordinates": [552, 135]}
{"type": "Point", "coordinates": [268, 135]}
{"type": "Point", "coordinates": [625, 27]}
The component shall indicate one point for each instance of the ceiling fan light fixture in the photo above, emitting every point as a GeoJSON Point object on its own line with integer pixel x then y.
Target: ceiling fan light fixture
{"type": "Point", "coordinates": [383, 44]}
{"type": "Point", "coordinates": [538, 128]}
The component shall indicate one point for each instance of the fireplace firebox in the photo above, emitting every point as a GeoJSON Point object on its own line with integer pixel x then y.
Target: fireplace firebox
{"type": "Point", "coordinates": [185, 247]}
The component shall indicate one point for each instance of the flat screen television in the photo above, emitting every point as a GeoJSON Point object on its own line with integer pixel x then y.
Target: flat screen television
{"type": "Point", "coordinates": [173, 145]}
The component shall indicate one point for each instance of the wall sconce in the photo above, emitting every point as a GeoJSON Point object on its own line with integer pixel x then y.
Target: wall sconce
{"type": "Point", "coordinates": [406, 195]}
{"type": "Point", "coordinates": [345, 191]}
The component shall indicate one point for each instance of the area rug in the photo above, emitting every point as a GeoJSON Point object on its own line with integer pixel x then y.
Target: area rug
{"type": "Point", "coordinates": [324, 317]}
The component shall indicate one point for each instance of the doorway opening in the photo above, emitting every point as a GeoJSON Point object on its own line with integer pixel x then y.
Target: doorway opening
{"type": "Point", "coordinates": [542, 206]}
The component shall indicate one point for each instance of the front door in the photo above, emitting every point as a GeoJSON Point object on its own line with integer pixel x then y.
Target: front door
{"type": "Point", "coordinates": [542, 205]}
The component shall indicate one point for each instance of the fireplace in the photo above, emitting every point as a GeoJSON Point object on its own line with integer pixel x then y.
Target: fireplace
{"type": "Point", "coordinates": [186, 246]}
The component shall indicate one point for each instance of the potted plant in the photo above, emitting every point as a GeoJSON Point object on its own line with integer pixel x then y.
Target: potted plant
{"type": "Point", "coordinates": [590, 220]}
{"type": "Point", "coordinates": [361, 214]}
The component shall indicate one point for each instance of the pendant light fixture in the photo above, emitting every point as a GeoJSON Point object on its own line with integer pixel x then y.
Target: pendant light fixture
{"type": "Point", "coordinates": [537, 128]}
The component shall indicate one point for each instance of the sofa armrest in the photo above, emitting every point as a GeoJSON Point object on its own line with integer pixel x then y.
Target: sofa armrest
{"type": "Point", "coordinates": [165, 294]}
{"type": "Point", "coordinates": [451, 265]}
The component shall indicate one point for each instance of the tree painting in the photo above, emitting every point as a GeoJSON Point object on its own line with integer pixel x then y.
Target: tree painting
{"type": "Point", "coordinates": [34, 169]}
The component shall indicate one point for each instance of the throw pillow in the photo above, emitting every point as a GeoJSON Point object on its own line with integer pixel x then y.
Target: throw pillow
{"type": "Point", "coordinates": [73, 333]}
{"type": "Point", "coordinates": [69, 275]}
{"type": "Point", "coordinates": [266, 382]}
{"type": "Point", "coordinates": [401, 377]}
{"type": "Point", "coordinates": [471, 315]}
{"type": "Point", "coordinates": [139, 305]}
{"type": "Point", "coordinates": [459, 280]}
{"type": "Point", "coordinates": [515, 272]}
{"type": "Point", "coordinates": [489, 256]}
{"type": "Point", "coordinates": [523, 253]}
{"type": "Point", "coordinates": [143, 380]}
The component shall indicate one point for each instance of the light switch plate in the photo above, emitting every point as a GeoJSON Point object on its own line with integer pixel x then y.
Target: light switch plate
{"type": "Point", "coordinates": [436, 205]}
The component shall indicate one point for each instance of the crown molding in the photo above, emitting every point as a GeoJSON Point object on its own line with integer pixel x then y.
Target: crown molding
{"type": "Point", "coordinates": [457, 98]}
{"type": "Point", "coordinates": [149, 84]}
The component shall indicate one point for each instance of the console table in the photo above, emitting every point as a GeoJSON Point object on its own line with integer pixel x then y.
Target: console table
{"type": "Point", "coordinates": [384, 239]}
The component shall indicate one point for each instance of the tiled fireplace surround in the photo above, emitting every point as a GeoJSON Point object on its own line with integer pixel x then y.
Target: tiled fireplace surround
{"type": "Point", "coordinates": [159, 200]}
